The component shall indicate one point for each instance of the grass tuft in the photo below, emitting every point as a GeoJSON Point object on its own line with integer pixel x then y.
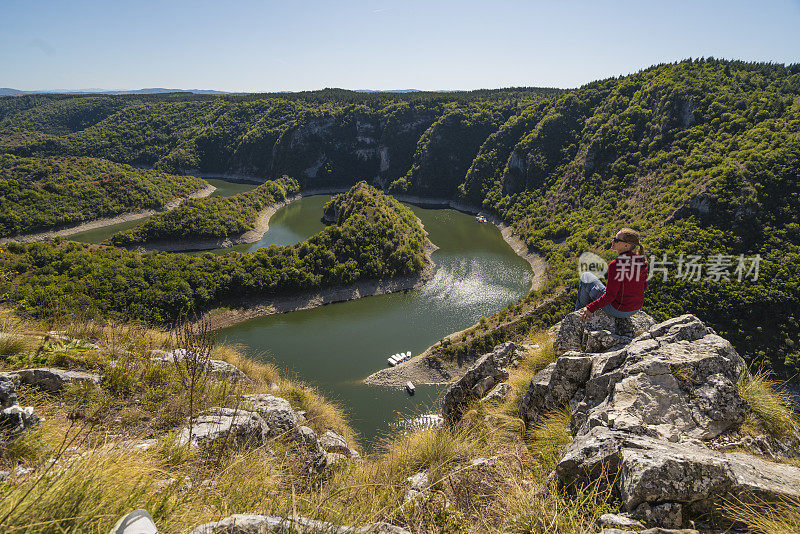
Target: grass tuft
{"type": "Point", "coordinates": [765, 517]}
{"type": "Point", "coordinates": [771, 411]}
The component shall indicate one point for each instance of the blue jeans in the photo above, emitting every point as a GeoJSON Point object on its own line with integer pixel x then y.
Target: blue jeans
{"type": "Point", "coordinates": [590, 290]}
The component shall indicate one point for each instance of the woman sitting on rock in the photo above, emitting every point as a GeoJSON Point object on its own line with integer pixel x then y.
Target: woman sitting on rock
{"type": "Point", "coordinates": [627, 280]}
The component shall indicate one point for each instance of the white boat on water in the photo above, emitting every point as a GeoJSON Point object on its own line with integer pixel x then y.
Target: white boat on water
{"type": "Point", "coordinates": [398, 358]}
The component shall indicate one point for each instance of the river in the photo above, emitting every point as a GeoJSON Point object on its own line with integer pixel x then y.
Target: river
{"type": "Point", "coordinates": [335, 346]}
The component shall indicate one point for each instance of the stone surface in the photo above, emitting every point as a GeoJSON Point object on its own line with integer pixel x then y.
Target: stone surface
{"type": "Point", "coordinates": [418, 481]}
{"type": "Point", "coordinates": [601, 332]}
{"type": "Point", "coordinates": [14, 418]}
{"type": "Point", "coordinates": [499, 393]}
{"type": "Point", "coordinates": [667, 515]}
{"type": "Point", "coordinates": [488, 371]}
{"type": "Point", "coordinates": [237, 428]}
{"type": "Point", "coordinates": [257, 524]}
{"type": "Point", "coordinates": [276, 411]}
{"type": "Point", "coordinates": [308, 442]}
{"type": "Point", "coordinates": [334, 459]}
{"type": "Point", "coordinates": [333, 442]}
{"type": "Point", "coordinates": [8, 391]}
{"type": "Point", "coordinates": [53, 380]}
{"type": "Point", "coordinates": [653, 470]}
{"type": "Point", "coordinates": [554, 386]}
{"type": "Point", "coordinates": [218, 369]}
{"type": "Point", "coordinates": [618, 520]}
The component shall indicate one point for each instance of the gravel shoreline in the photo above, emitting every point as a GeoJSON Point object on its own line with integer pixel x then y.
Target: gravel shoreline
{"type": "Point", "coordinates": [68, 230]}
{"type": "Point", "coordinates": [249, 308]}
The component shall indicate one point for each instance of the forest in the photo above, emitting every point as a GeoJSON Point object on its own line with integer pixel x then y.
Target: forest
{"type": "Point", "coordinates": [702, 156]}
{"type": "Point", "coordinates": [44, 192]}
{"type": "Point", "coordinates": [375, 237]}
{"type": "Point", "coordinates": [210, 217]}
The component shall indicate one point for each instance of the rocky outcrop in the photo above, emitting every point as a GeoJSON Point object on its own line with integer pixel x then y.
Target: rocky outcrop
{"type": "Point", "coordinates": [601, 332]}
{"type": "Point", "coordinates": [53, 380]}
{"type": "Point", "coordinates": [261, 418]}
{"type": "Point", "coordinates": [255, 523]}
{"type": "Point", "coordinates": [14, 419]}
{"type": "Point", "coordinates": [644, 415]}
{"type": "Point", "coordinates": [488, 371]}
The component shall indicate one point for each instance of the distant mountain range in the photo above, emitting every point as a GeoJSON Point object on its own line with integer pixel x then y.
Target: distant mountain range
{"type": "Point", "coordinates": [7, 91]}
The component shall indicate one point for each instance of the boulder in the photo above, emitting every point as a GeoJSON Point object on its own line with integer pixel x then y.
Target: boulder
{"type": "Point", "coordinates": [333, 442]}
{"type": "Point", "coordinates": [601, 332]}
{"type": "Point", "coordinates": [53, 380]}
{"type": "Point", "coordinates": [137, 522]}
{"type": "Point", "coordinates": [236, 428]}
{"type": "Point", "coordinates": [645, 469]}
{"type": "Point", "coordinates": [14, 418]}
{"type": "Point", "coordinates": [499, 393]}
{"type": "Point", "coordinates": [488, 371]}
{"type": "Point", "coordinates": [276, 411]}
{"type": "Point", "coordinates": [676, 380]}
{"type": "Point", "coordinates": [218, 369]}
{"type": "Point", "coordinates": [308, 443]}
{"type": "Point", "coordinates": [257, 524]}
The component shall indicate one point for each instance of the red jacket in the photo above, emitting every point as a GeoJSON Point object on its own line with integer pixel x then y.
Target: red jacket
{"type": "Point", "coordinates": [627, 282]}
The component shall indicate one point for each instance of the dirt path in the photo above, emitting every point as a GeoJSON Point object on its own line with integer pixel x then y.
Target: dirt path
{"type": "Point", "coordinates": [67, 230]}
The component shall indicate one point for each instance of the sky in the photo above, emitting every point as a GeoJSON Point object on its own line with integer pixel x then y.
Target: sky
{"type": "Point", "coordinates": [293, 45]}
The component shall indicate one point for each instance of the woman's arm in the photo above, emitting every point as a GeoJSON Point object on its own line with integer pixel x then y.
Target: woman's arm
{"type": "Point", "coordinates": [612, 288]}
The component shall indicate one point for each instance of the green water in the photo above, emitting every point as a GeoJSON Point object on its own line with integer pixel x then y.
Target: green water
{"type": "Point", "coordinates": [98, 235]}
{"type": "Point", "coordinates": [335, 346]}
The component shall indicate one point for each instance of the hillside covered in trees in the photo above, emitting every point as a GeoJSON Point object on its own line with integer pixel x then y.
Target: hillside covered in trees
{"type": "Point", "coordinates": [375, 237]}
{"type": "Point", "coordinates": [210, 217]}
{"type": "Point", "coordinates": [41, 193]}
{"type": "Point", "coordinates": [702, 156]}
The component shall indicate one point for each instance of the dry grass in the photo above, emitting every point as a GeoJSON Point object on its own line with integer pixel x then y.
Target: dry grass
{"type": "Point", "coordinates": [771, 412]}
{"type": "Point", "coordinates": [766, 517]}
{"type": "Point", "coordinates": [96, 479]}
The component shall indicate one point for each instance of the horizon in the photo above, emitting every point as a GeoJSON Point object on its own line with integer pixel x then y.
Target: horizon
{"type": "Point", "coordinates": [269, 47]}
{"type": "Point", "coordinates": [211, 90]}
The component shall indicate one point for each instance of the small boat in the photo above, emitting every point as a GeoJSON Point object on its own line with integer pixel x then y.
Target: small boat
{"type": "Point", "coordinates": [391, 361]}
{"type": "Point", "coordinates": [481, 219]}
{"type": "Point", "coordinates": [410, 388]}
